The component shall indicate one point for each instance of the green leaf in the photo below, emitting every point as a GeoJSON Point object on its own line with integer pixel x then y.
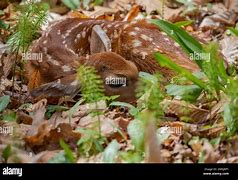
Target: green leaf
{"type": "Point", "coordinates": [4, 101]}
{"type": "Point", "coordinates": [74, 109]}
{"type": "Point", "coordinates": [68, 152]}
{"type": "Point", "coordinates": [72, 4]}
{"type": "Point", "coordinates": [165, 61]}
{"type": "Point", "coordinates": [229, 119]}
{"type": "Point", "coordinates": [186, 41]}
{"type": "Point", "coordinates": [151, 78]}
{"type": "Point", "coordinates": [58, 158]}
{"type": "Point", "coordinates": [110, 153]}
{"type": "Point", "coordinates": [136, 132]}
{"type": "Point", "coordinates": [3, 25]}
{"type": "Point", "coordinates": [183, 23]}
{"type": "Point", "coordinates": [54, 108]}
{"type": "Point", "coordinates": [9, 116]}
{"type": "Point", "coordinates": [184, 92]}
{"type": "Point", "coordinates": [7, 152]}
{"type": "Point", "coordinates": [234, 31]}
{"type": "Point", "coordinates": [131, 156]}
{"type": "Point", "coordinates": [98, 2]}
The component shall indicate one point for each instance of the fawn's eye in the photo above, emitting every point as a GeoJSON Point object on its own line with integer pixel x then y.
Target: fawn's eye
{"type": "Point", "coordinates": [103, 68]}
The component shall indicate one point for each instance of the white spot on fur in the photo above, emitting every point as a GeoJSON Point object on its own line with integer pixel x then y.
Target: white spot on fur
{"type": "Point", "coordinates": [133, 22]}
{"type": "Point", "coordinates": [146, 38]}
{"type": "Point", "coordinates": [53, 61]}
{"type": "Point", "coordinates": [132, 33]}
{"type": "Point", "coordinates": [66, 68]}
{"type": "Point", "coordinates": [117, 25]}
{"type": "Point", "coordinates": [125, 26]}
{"type": "Point", "coordinates": [74, 83]}
{"type": "Point", "coordinates": [115, 34]}
{"type": "Point", "coordinates": [155, 49]}
{"type": "Point", "coordinates": [135, 51]}
{"type": "Point", "coordinates": [136, 43]}
{"type": "Point", "coordinates": [70, 50]}
{"type": "Point", "coordinates": [144, 54]}
{"type": "Point", "coordinates": [78, 36]}
{"type": "Point", "coordinates": [109, 26]}
{"type": "Point", "coordinates": [83, 34]}
{"type": "Point", "coordinates": [59, 32]}
{"type": "Point", "coordinates": [137, 29]}
{"type": "Point", "coordinates": [45, 42]}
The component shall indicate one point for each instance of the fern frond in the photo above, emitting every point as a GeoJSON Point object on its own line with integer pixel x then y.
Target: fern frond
{"type": "Point", "coordinates": [33, 16]}
{"type": "Point", "coordinates": [91, 84]}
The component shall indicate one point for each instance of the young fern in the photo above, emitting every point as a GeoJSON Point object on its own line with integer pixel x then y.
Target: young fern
{"type": "Point", "coordinates": [91, 84]}
{"type": "Point", "coordinates": [91, 88]}
{"type": "Point", "coordinates": [33, 16]}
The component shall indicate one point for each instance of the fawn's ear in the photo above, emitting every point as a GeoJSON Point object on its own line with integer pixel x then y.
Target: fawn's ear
{"type": "Point", "coordinates": [99, 41]}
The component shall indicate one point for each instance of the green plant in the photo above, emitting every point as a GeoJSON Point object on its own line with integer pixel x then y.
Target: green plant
{"type": "Point", "coordinates": [110, 153]}
{"type": "Point", "coordinates": [33, 16]}
{"type": "Point", "coordinates": [7, 151]}
{"type": "Point", "coordinates": [90, 143]}
{"type": "Point", "coordinates": [92, 89]}
{"type": "Point", "coordinates": [148, 109]}
{"type": "Point", "coordinates": [4, 101]}
{"type": "Point", "coordinates": [215, 82]}
{"type": "Point", "coordinates": [68, 152]}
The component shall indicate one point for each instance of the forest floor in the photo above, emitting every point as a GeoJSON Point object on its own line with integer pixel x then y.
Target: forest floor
{"type": "Point", "coordinates": [194, 125]}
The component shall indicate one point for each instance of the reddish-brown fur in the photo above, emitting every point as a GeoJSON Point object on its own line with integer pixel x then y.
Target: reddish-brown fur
{"type": "Point", "coordinates": [66, 42]}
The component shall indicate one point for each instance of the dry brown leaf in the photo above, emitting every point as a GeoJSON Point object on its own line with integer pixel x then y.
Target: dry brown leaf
{"type": "Point", "coordinates": [183, 109]}
{"type": "Point", "coordinates": [5, 84]}
{"type": "Point", "coordinates": [108, 126]}
{"type": "Point", "coordinates": [210, 155]}
{"type": "Point", "coordinates": [38, 115]}
{"type": "Point", "coordinates": [150, 5]}
{"type": "Point", "coordinates": [232, 5]}
{"type": "Point", "coordinates": [121, 5]}
{"type": "Point", "coordinates": [78, 14]}
{"type": "Point", "coordinates": [229, 47]}
{"type": "Point", "coordinates": [35, 78]}
{"type": "Point", "coordinates": [45, 156]}
{"type": "Point", "coordinates": [6, 60]}
{"type": "Point", "coordinates": [47, 137]}
{"type": "Point", "coordinates": [132, 13]}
